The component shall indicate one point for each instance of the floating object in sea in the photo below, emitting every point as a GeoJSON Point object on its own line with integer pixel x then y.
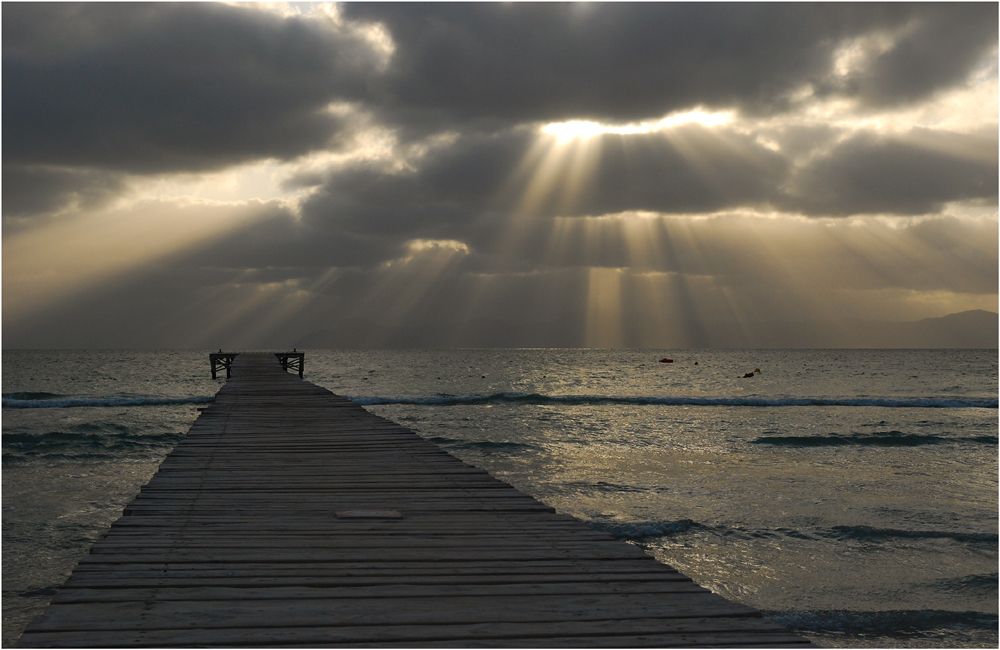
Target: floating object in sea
{"type": "Point", "coordinates": [749, 374]}
{"type": "Point", "coordinates": [665, 360]}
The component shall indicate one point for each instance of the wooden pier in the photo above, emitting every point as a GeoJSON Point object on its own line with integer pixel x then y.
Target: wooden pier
{"type": "Point", "coordinates": [291, 516]}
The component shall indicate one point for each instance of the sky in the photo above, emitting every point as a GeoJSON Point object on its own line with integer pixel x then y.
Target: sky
{"type": "Point", "coordinates": [603, 175]}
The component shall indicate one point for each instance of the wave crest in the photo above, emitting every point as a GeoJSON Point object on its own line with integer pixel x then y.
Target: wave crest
{"type": "Point", "coordinates": [876, 439]}
{"type": "Point", "coordinates": [643, 529]}
{"type": "Point", "coordinates": [873, 534]}
{"type": "Point", "coordinates": [888, 623]}
{"type": "Point", "coordinates": [49, 400]}
{"type": "Point", "coordinates": [87, 441]}
{"type": "Point", "coordinates": [654, 400]}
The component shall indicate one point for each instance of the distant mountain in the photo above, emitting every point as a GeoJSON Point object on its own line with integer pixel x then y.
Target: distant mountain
{"type": "Point", "coordinates": [968, 329]}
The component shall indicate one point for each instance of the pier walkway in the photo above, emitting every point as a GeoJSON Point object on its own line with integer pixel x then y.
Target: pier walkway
{"type": "Point", "coordinates": [291, 516]}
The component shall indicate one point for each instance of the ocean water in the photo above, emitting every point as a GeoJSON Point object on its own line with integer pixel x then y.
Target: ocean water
{"type": "Point", "coordinates": [849, 494]}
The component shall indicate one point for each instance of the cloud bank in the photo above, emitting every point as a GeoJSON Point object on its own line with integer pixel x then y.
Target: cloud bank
{"type": "Point", "coordinates": [576, 168]}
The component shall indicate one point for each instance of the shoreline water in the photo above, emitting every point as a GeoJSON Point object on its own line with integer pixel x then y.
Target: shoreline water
{"type": "Point", "coordinates": [733, 495]}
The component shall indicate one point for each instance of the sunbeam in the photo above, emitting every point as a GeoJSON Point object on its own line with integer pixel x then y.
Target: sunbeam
{"type": "Point", "coordinates": [555, 172]}
{"type": "Point", "coordinates": [400, 286]}
{"type": "Point", "coordinates": [604, 326]}
{"type": "Point", "coordinates": [71, 254]}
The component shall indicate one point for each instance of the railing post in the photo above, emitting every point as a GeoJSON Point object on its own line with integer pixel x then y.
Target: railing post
{"type": "Point", "coordinates": [222, 359]}
{"type": "Point", "coordinates": [295, 360]}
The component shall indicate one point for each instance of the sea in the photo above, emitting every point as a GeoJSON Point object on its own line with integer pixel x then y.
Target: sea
{"type": "Point", "coordinates": [849, 494]}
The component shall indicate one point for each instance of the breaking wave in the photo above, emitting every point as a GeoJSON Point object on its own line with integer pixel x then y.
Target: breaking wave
{"type": "Point", "coordinates": [892, 623]}
{"type": "Point", "coordinates": [872, 534]}
{"type": "Point", "coordinates": [641, 400]}
{"type": "Point", "coordinates": [877, 439]}
{"type": "Point", "coordinates": [50, 400]}
{"type": "Point", "coordinates": [643, 529]}
{"type": "Point", "coordinates": [984, 583]}
{"type": "Point", "coordinates": [88, 441]}
{"type": "Point", "coordinates": [486, 445]}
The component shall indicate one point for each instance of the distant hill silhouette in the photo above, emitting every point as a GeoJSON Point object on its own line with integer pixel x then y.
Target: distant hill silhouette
{"type": "Point", "coordinates": [968, 329]}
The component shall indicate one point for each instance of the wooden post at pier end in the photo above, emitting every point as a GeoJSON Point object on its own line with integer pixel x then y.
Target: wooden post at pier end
{"type": "Point", "coordinates": [295, 360]}
{"type": "Point", "coordinates": [222, 360]}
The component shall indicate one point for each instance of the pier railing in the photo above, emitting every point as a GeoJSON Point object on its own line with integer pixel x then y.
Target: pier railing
{"type": "Point", "coordinates": [293, 361]}
{"type": "Point", "coordinates": [222, 360]}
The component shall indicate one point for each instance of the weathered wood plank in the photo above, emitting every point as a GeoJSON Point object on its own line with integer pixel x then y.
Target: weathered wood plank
{"type": "Point", "coordinates": [217, 556]}
{"type": "Point", "coordinates": [332, 590]}
{"type": "Point", "coordinates": [504, 634]}
{"type": "Point", "coordinates": [158, 614]}
{"type": "Point", "coordinates": [570, 567]}
{"type": "Point", "coordinates": [133, 580]}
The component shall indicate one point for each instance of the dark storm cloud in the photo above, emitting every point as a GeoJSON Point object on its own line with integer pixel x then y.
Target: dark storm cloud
{"type": "Point", "coordinates": [453, 187]}
{"type": "Point", "coordinates": [901, 175]}
{"type": "Point", "coordinates": [621, 62]}
{"type": "Point", "coordinates": [282, 241]}
{"type": "Point", "coordinates": [29, 190]}
{"type": "Point", "coordinates": [449, 187]}
{"type": "Point", "coordinates": [159, 87]}
{"type": "Point", "coordinates": [940, 45]}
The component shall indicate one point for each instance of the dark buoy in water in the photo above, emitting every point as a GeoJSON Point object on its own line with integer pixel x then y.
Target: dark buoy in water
{"type": "Point", "coordinates": [696, 363]}
{"type": "Point", "coordinates": [665, 360]}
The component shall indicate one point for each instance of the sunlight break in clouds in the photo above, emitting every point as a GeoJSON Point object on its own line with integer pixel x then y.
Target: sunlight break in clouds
{"type": "Point", "coordinates": [566, 131]}
{"type": "Point", "coordinates": [591, 175]}
{"type": "Point", "coordinates": [559, 169]}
